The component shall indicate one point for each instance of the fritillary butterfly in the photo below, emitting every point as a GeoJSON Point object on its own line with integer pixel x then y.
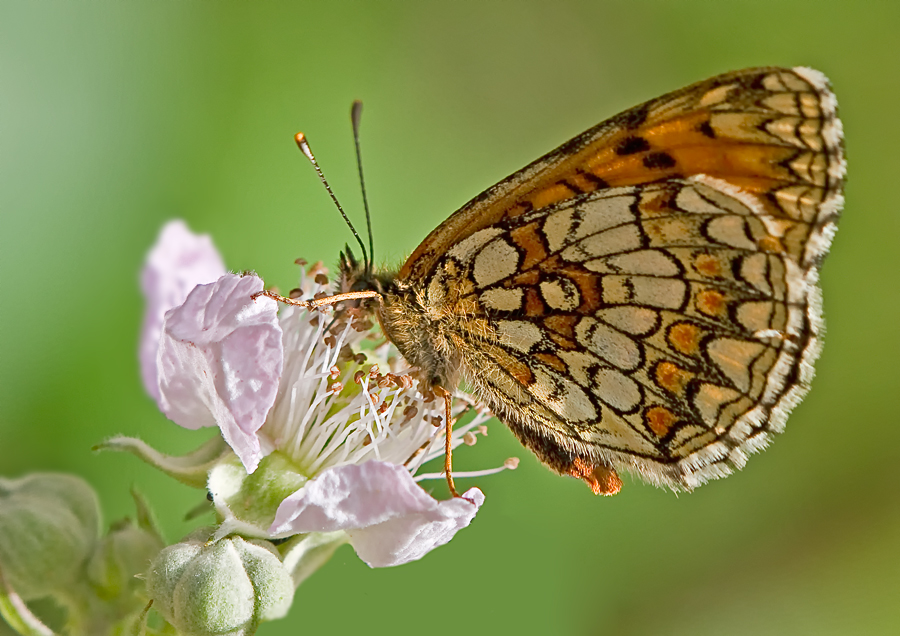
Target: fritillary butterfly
{"type": "Point", "coordinates": [645, 296]}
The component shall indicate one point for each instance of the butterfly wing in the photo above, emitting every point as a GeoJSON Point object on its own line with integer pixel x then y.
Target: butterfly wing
{"type": "Point", "coordinates": [770, 131]}
{"type": "Point", "coordinates": [662, 328]}
{"type": "Point", "coordinates": [645, 297]}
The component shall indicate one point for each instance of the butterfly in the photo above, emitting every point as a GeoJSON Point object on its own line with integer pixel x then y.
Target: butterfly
{"type": "Point", "coordinates": [643, 297]}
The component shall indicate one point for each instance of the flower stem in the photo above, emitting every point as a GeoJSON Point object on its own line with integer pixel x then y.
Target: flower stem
{"type": "Point", "coordinates": [17, 615]}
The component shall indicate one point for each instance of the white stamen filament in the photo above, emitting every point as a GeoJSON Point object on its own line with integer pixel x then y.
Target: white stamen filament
{"type": "Point", "coordinates": [321, 420]}
{"type": "Point", "coordinates": [464, 474]}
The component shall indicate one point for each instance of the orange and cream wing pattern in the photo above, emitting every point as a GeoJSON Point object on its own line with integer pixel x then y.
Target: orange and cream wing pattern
{"type": "Point", "coordinates": [645, 297]}
{"type": "Point", "coordinates": [773, 132]}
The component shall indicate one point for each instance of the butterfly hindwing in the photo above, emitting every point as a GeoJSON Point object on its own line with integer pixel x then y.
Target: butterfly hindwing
{"type": "Point", "coordinates": [645, 327]}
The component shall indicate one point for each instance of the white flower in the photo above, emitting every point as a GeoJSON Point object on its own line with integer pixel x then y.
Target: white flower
{"type": "Point", "coordinates": [326, 441]}
{"type": "Point", "coordinates": [388, 519]}
{"type": "Point", "coordinates": [219, 360]}
{"type": "Point", "coordinates": [178, 262]}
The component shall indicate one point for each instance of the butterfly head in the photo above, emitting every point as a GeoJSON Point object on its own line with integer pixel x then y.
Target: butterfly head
{"type": "Point", "coordinates": [356, 275]}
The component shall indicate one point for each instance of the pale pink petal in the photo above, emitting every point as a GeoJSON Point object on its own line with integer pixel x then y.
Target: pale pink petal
{"type": "Point", "coordinates": [178, 262]}
{"type": "Point", "coordinates": [412, 536]}
{"type": "Point", "coordinates": [389, 518]}
{"type": "Point", "coordinates": [220, 361]}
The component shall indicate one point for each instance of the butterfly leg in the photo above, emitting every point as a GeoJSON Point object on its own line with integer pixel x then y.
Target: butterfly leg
{"type": "Point", "coordinates": [281, 299]}
{"type": "Point", "coordinates": [317, 302]}
{"type": "Point", "coordinates": [448, 428]}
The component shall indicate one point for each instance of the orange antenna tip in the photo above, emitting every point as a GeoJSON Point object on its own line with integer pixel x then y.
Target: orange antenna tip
{"type": "Point", "coordinates": [300, 138]}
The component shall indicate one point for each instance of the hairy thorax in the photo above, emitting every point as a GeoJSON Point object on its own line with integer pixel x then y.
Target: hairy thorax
{"type": "Point", "coordinates": [438, 327]}
{"type": "Point", "coordinates": [425, 333]}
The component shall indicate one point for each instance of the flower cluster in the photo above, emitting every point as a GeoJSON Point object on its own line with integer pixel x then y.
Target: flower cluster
{"type": "Point", "coordinates": [323, 436]}
{"type": "Point", "coordinates": [324, 430]}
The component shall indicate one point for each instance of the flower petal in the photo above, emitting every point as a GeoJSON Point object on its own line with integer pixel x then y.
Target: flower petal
{"type": "Point", "coordinates": [412, 536]}
{"type": "Point", "coordinates": [178, 262]}
{"type": "Point", "coordinates": [389, 518]}
{"type": "Point", "coordinates": [220, 360]}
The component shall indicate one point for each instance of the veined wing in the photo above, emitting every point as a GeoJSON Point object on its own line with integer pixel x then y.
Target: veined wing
{"type": "Point", "coordinates": [666, 328]}
{"type": "Point", "coordinates": [772, 132]}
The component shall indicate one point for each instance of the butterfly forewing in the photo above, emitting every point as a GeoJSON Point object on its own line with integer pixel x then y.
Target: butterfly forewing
{"type": "Point", "coordinates": [645, 296]}
{"type": "Point", "coordinates": [770, 131]}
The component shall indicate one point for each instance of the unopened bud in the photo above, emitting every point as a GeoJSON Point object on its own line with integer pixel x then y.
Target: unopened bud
{"type": "Point", "coordinates": [123, 554]}
{"type": "Point", "coordinates": [227, 586]}
{"type": "Point", "coordinates": [49, 524]}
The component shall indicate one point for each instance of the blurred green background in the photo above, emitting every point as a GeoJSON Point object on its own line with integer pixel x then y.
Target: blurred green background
{"type": "Point", "coordinates": [115, 117]}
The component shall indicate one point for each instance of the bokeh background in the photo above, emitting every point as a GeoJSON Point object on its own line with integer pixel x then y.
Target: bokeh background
{"type": "Point", "coordinates": [116, 116]}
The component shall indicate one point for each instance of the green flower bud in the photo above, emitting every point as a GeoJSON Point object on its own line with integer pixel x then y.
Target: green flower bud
{"type": "Point", "coordinates": [49, 524]}
{"type": "Point", "coordinates": [248, 503]}
{"type": "Point", "coordinates": [122, 554]}
{"type": "Point", "coordinates": [224, 587]}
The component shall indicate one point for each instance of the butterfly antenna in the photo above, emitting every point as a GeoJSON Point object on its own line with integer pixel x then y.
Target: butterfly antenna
{"type": "Point", "coordinates": [355, 115]}
{"type": "Point", "coordinates": [300, 138]}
